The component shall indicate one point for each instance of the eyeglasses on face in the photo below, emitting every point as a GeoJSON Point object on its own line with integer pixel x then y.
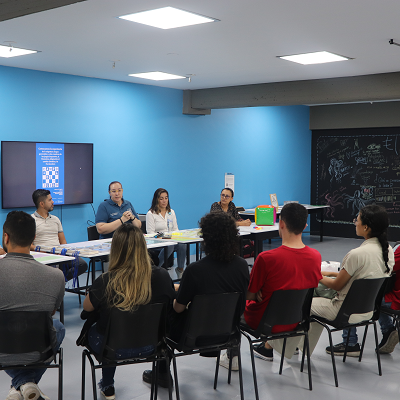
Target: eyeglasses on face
{"type": "Point", "coordinates": [116, 191]}
{"type": "Point", "coordinates": [226, 196]}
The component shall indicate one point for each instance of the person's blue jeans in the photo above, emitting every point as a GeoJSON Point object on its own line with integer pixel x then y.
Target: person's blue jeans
{"type": "Point", "coordinates": [180, 249]}
{"type": "Point", "coordinates": [22, 376]}
{"type": "Point", "coordinates": [385, 322]}
{"type": "Point", "coordinates": [353, 340]}
{"type": "Point", "coordinates": [96, 344]}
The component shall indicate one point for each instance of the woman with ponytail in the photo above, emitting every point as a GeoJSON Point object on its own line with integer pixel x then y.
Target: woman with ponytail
{"type": "Point", "coordinates": [373, 259]}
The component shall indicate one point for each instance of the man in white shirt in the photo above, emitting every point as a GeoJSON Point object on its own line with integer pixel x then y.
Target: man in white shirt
{"type": "Point", "coordinates": [49, 231]}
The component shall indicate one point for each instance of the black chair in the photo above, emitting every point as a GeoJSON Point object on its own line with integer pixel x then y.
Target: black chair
{"type": "Point", "coordinates": [94, 235]}
{"type": "Point", "coordinates": [27, 332]}
{"type": "Point", "coordinates": [365, 295]}
{"type": "Point", "coordinates": [395, 314]}
{"type": "Point", "coordinates": [212, 324]}
{"type": "Point", "coordinates": [286, 307]}
{"type": "Point", "coordinates": [125, 330]}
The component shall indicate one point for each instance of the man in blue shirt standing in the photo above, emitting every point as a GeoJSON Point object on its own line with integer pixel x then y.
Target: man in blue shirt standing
{"type": "Point", "coordinates": [114, 212]}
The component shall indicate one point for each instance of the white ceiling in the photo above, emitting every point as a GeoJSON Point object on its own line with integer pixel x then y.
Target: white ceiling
{"type": "Point", "coordinates": [85, 38]}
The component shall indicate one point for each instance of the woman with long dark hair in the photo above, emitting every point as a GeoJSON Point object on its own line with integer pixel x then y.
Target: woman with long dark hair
{"type": "Point", "coordinates": [129, 283]}
{"type": "Point", "coordinates": [161, 218]}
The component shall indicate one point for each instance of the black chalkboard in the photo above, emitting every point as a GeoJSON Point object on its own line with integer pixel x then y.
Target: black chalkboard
{"type": "Point", "coordinates": [352, 168]}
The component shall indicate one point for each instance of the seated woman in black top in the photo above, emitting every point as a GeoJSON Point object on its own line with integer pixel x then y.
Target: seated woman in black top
{"type": "Point", "coordinates": [220, 271]}
{"type": "Point", "coordinates": [129, 282]}
{"type": "Point", "coordinates": [227, 205]}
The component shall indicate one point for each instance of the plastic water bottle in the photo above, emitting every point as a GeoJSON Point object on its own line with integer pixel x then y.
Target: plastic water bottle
{"type": "Point", "coordinates": [169, 222]}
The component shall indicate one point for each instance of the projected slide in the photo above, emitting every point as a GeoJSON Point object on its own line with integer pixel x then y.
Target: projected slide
{"type": "Point", "coordinates": [50, 169]}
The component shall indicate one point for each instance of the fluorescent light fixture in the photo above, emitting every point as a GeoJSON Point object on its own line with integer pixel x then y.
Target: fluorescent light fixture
{"type": "Point", "coordinates": [318, 57]}
{"type": "Point", "coordinates": [9, 51]}
{"type": "Point", "coordinates": [167, 18]}
{"type": "Point", "coordinates": [157, 76]}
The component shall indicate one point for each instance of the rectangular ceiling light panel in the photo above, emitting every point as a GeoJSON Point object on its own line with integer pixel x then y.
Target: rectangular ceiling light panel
{"type": "Point", "coordinates": [157, 76]}
{"type": "Point", "coordinates": [167, 18]}
{"type": "Point", "coordinates": [318, 57]}
{"type": "Point", "coordinates": [9, 51]}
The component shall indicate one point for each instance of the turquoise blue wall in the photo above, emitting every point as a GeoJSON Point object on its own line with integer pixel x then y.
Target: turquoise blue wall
{"type": "Point", "coordinates": [142, 139]}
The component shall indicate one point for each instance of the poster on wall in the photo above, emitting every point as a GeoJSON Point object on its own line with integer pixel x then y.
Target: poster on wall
{"type": "Point", "coordinates": [230, 181]}
{"type": "Point", "coordinates": [50, 169]}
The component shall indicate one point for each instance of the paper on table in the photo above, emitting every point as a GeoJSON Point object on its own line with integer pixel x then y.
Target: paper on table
{"type": "Point", "coordinates": [330, 266]}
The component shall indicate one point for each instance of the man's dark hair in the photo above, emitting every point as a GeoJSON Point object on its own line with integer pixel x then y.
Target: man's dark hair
{"type": "Point", "coordinates": [39, 195]}
{"type": "Point", "coordinates": [295, 217]}
{"type": "Point", "coordinates": [20, 227]}
{"type": "Point", "coordinates": [220, 235]}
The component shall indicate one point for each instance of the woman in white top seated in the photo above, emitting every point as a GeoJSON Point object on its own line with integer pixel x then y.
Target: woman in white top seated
{"type": "Point", "coordinates": [161, 218]}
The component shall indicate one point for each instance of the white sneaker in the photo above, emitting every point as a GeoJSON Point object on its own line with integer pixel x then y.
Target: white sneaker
{"type": "Point", "coordinates": [179, 272]}
{"type": "Point", "coordinates": [14, 394]}
{"type": "Point", "coordinates": [224, 362]}
{"type": "Point", "coordinates": [30, 391]}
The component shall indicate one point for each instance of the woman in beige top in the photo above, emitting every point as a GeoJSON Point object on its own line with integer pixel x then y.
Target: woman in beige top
{"type": "Point", "coordinates": [373, 259]}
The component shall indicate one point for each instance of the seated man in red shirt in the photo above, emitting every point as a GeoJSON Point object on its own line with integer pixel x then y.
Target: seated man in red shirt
{"type": "Point", "coordinates": [291, 266]}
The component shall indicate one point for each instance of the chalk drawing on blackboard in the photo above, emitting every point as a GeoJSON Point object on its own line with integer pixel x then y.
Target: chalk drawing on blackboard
{"type": "Point", "coordinates": [356, 202]}
{"type": "Point", "coordinates": [333, 200]}
{"type": "Point", "coordinates": [338, 169]}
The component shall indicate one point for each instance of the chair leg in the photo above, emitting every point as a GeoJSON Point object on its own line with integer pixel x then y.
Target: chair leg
{"type": "Point", "coordinates": [363, 343]}
{"type": "Point", "coordinates": [240, 375]}
{"type": "Point", "coordinates": [90, 267]}
{"type": "Point", "coordinates": [307, 345]}
{"type": "Point", "coordinates": [230, 370]}
{"type": "Point", "coordinates": [345, 349]}
{"type": "Point", "coordinates": [153, 380]}
{"type": "Point", "coordinates": [216, 371]}
{"type": "Point", "coordinates": [176, 377]}
{"type": "Point", "coordinates": [83, 376]}
{"type": "Point", "coordinates": [333, 358]}
{"type": "Point", "coordinates": [60, 373]}
{"type": "Point", "coordinates": [253, 365]}
{"type": "Point", "coordinates": [169, 380]}
{"type": "Point", "coordinates": [79, 290]}
{"type": "Point", "coordinates": [282, 355]}
{"type": "Point", "coordinates": [93, 371]}
{"type": "Point", "coordinates": [378, 356]}
{"type": "Point", "coordinates": [303, 356]}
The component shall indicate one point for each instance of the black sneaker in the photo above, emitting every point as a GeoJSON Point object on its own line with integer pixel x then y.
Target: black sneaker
{"type": "Point", "coordinates": [261, 352]}
{"type": "Point", "coordinates": [162, 378]}
{"type": "Point", "coordinates": [109, 393]}
{"type": "Point", "coordinates": [389, 341]}
{"type": "Point", "coordinates": [338, 350]}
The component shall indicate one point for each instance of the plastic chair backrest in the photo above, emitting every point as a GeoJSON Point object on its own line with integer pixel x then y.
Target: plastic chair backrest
{"type": "Point", "coordinates": [128, 330]}
{"type": "Point", "coordinates": [210, 316]}
{"type": "Point", "coordinates": [286, 307]}
{"type": "Point", "coordinates": [25, 332]}
{"type": "Point", "coordinates": [389, 286]}
{"type": "Point", "coordinates": [92, 233]}
{"type": "Point", "coordinates": [361, 298]}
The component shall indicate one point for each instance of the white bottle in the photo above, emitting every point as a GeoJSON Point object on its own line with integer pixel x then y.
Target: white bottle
{"type": "Point", "coordinates": [169, 222]}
